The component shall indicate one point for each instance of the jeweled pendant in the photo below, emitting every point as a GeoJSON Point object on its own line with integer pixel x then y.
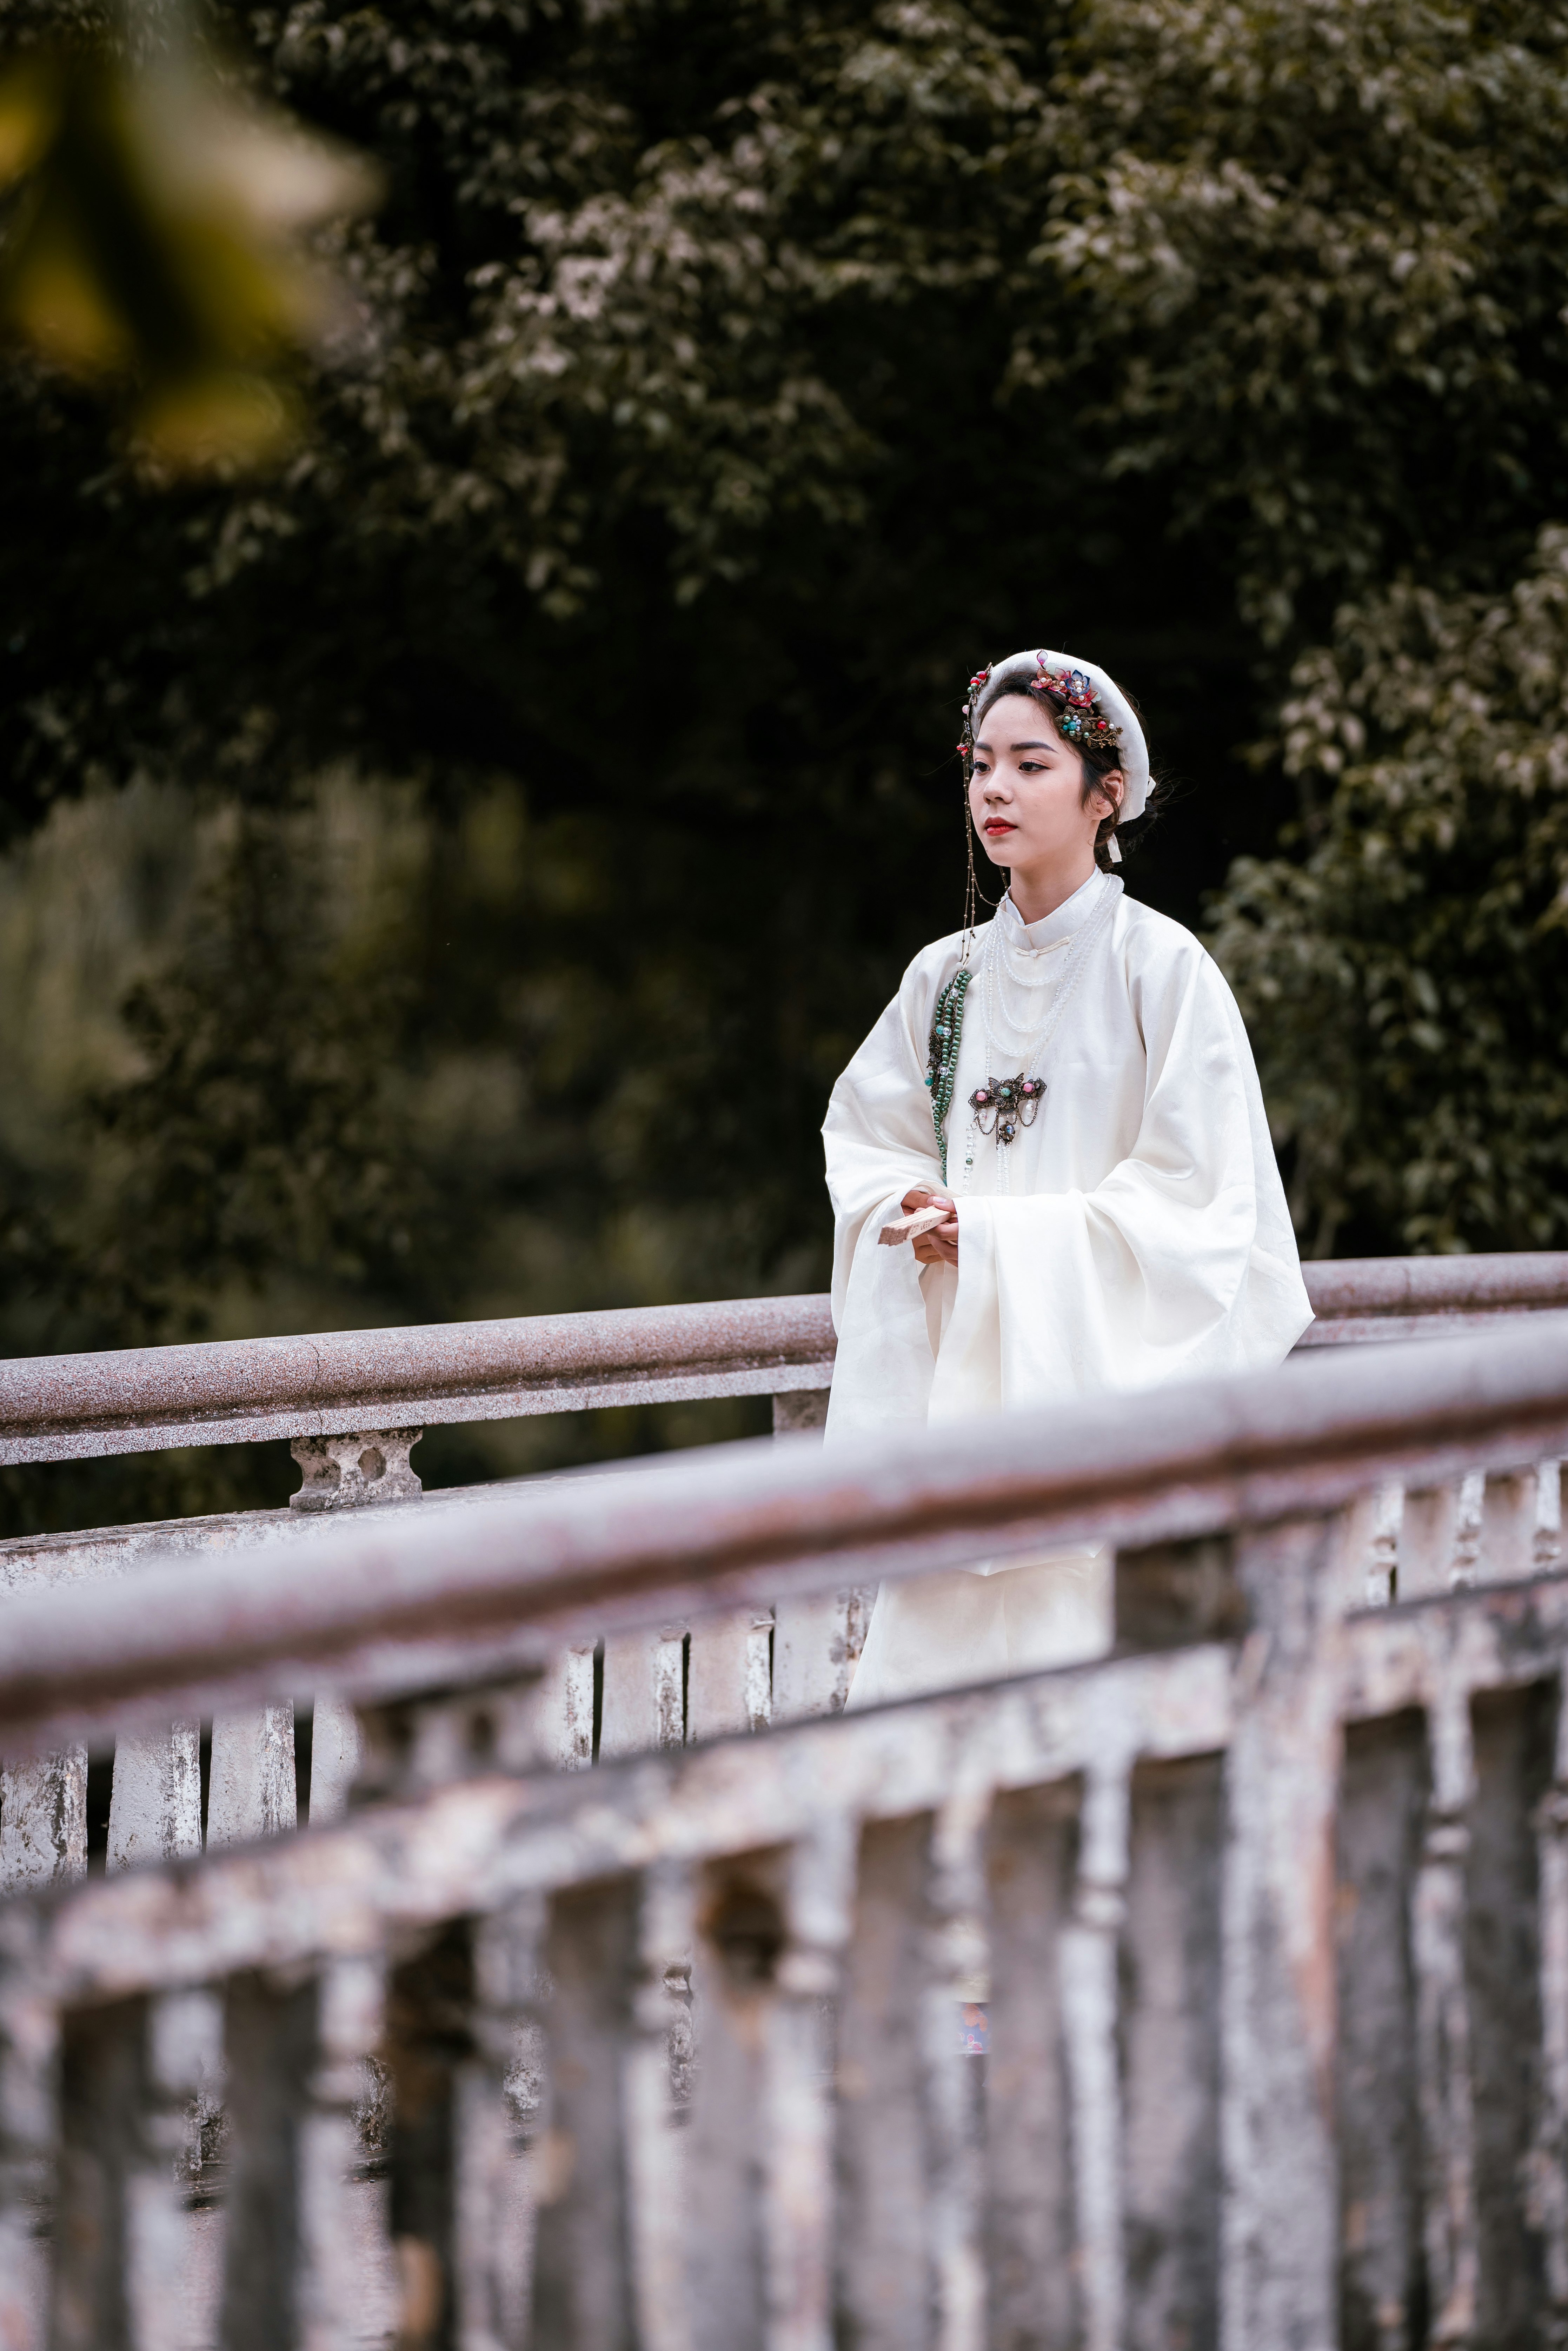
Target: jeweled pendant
{"type": "Point", "coordinates": [1003, 1105]}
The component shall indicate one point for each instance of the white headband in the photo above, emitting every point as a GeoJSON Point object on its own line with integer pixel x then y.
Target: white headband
{"type": "Point", "coordinates": [1015, 675]}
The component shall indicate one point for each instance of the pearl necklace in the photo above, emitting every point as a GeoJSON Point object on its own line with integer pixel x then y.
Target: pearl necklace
{"type": "Point", "coordinates": [1013, 982]}
{"type": "Point", "coordinates": [1009, 1039]}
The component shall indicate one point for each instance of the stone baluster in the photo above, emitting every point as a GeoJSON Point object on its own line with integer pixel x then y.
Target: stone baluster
{"type": "Point", "coordinates": [1548, 1546]}
{"type": "Point", "coordinates": [1091, 2019]}
{"type": "Point", "coordinates": [799, 1408]}
{"type": "Point", "coordinates": [564, 1710]}
{"type": "Point", "coordinates": [1374, 1544]}
{"type": "Point", "coordinates": [744, 1934]}
{"type": "Point", "coordinates": [182, 2081]}
{"type": "Point", "coordinates": [1031, 2222]}
{"type": "Point", "coordinates": [817, 1645]}
{"type": "Point", "coordinates": [1442, 2022]}
{"type": "Point", "coordinates": [346, 1473]}
{"type": "Point", "coordinates": [799, 2199]}
{"type": "Point", "coordinates": [645, 1706]}
{"type": "Point", "coordinates": [1510, 1507]}
{"type": "Point", "coordinates": [1428, 1533]}
{"type": "Point", "coordinates": [1469, 1514]}
{"type": "Point", "coordinates": [729, 1678]}
{"type": "Point", "coordinates": [43, 1820]}
{"type": "Point", "coordinates": [251, 1790]}
{"type": "Point", "coordinates": [29, 2128]}
{"type": "Point", "coordinates": [1166, 2052]}
{"type": "Point", "coordinates": [493, 2217]}
{"type": "Point", "coordinates": [1549, 2169]}
{"type": "Point", "coordinates": [1382, 1817]}
{"type": "Point", "coordinates": [957, 1974]}
{"type": "Point", "coordinates": [886, 2256]}
{"type": "Point", "coordinates": [1280, 2196]}
{"type": "Point", "coordinates": [350, 2008]}
{"type": "Point", "coordinates": [270, 2061]}
{"type": "Point", "coordinates": [656, 2091]}
{"type": "Point", "coordinates": [103, 2161]}
{"type": "Point", "coordinates": [156, 1806]}
{"type": "Point", "coordinates": [337, 1750]}
{"type": "Point", "coordinates": [583, 2170]}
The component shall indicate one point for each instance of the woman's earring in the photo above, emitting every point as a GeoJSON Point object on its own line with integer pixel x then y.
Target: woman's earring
{"type": "Point", "coordinates": [971, 886]}
{"type": "Point", "coordinates": [1114, 850]}
{"type": "Point", "coordinates": [973, 896]}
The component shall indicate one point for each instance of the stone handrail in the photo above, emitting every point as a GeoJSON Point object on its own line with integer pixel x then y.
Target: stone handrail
{"type": "Point", "coordinates": [391, 1599]}
{"type": "Point", "coordinates": [142, 1399]}
{"type": "Point", "coordinates": [1261, 1914]}
{"type": "Point", "coordinates": [765, 1662]}
{"type": "Point", "coordinates": [145, 1399]}
{"type": "Point", "coordinates": [1386, 1298]}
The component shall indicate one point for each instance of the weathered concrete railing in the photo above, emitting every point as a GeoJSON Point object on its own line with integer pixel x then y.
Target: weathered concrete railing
{"type": "Point", "coordinates": [337, 1397]}
{"type": "Point", "coordinates": [1267, 1912]}
{"type": "Point", "coordinates": [334, 1396]}
{"type": "Point", "coordinates": [339, 1384]}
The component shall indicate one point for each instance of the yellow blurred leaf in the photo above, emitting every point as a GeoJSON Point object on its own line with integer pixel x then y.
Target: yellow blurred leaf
{"type": "Point", "coordinates": [29, 116]}
{"type": "Point", "coordinates": [217, 420]}
{"type": "Point", "coordinates": [157, 239]}
{"type": "Point", "coordinates": [265, 166]}
{"type": "Point", "coordinates": [54, 297]}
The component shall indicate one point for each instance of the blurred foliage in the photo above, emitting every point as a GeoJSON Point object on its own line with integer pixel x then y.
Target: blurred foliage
{"type": "Point", "coordinates": [1408, 981]}
{"type": "Point", "coordinates": [878, 312]}
{"type": "Point", "coordinates": [268, 1081]}
{"type": "Point", "coordinates": [149, 237]}
{"type": "Point", "coordinates": [560, 736]}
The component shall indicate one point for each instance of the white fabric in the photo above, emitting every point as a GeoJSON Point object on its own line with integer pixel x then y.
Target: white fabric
{"type": "Point", "coordinates": [1143, 1235]}
{"type": "Point", "coordinates": [1014, 676]}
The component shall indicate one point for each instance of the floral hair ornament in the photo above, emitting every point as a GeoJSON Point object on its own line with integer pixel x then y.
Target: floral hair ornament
{"type": "Point", "coordinates": [966, 740]}
{"type": "Point", "coordinates": [1077, 707]}
{"type": "Point", "coordinates": [1088, 705]}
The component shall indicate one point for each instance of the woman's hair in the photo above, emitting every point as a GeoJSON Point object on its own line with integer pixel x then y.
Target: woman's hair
{"type": "Point", "coordinates": [1094, 764]}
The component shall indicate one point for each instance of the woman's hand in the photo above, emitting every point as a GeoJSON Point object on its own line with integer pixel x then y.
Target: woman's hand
{"type": "Point", "coordinates": [940, 1245]}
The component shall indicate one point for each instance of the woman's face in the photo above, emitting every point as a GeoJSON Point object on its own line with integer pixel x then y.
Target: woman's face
{"type": "Point", "coordinates": [1026, 792]}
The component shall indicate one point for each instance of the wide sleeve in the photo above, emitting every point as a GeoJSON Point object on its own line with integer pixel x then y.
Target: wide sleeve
{"type": "Point", "coordinates": [1180, 1261]}
{"type": "Point", "coordinates": [879, 1142]}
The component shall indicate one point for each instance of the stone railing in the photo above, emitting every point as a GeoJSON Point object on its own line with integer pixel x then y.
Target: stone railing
{"type": "Point", "coordinates": [353, 1404]}
{"type": "Point", "coordinates": [1265, 1915]}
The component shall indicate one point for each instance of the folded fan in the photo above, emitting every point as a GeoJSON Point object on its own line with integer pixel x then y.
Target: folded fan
{"type": "Point", "coordinates": [920, 1220]}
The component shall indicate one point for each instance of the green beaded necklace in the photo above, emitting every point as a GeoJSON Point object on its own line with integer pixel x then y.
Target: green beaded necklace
{"type": "Point", "coordinates": [947, 1020]}
{"type": "Point", "coordinates": [946, 1029]}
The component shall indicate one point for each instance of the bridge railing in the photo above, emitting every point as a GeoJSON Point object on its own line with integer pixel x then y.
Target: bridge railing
{"type": "Point", "coordinates": [353, 1404]}
{"type": "Point", "coordinates": [1262, 1918]}
{"type": "Point", "coordinates": [342, 1384]}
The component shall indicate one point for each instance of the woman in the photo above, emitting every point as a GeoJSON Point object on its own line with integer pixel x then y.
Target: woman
{"type": "Point", "coordinates": [1071, 1083]}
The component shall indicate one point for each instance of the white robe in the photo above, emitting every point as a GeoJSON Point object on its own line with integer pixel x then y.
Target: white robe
{"type": "Point", "coordinates": [1143, 1235]}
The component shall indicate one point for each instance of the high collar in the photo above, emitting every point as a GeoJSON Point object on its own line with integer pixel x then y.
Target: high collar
{"type": "Point", "coordinates": [1053, 929]}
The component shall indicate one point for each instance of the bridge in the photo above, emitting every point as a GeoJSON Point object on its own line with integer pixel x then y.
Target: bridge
{"type": "Point", "coordinates": [608, 1994]}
